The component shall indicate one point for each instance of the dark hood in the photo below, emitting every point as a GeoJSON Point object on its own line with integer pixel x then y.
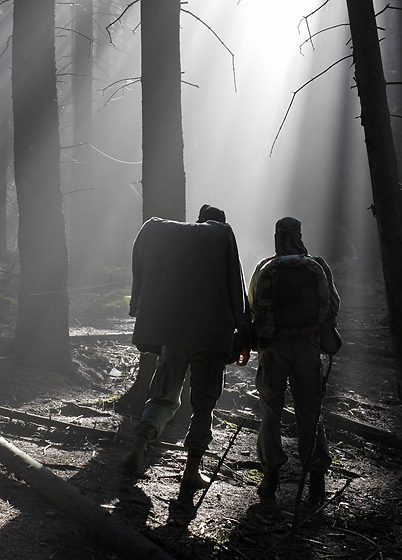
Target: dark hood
{"type": "Point", "coordinates": [288, 239]}
{"type": "Point", "coordinates": [208, 212]}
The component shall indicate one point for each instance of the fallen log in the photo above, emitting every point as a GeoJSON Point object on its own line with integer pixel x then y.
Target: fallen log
{"type": "Point", "coordinates": [333, 420]}
{"type": "Point", "coordinates": [366, 431]}
{"type": "Point", "coordinates": [85, 430]}
{"type": "Point", "coordinates": [109, 527]}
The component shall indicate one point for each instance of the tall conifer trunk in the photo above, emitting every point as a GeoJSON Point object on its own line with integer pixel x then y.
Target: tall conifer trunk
{"type": "Point", "coordinates": [163, 178]}
{"type": "Point", "coordinates": [387, 193]}
{"type": "Point", "coordinates": [84, 215]}
{"type": "Point", "coordinates": [41, 335]}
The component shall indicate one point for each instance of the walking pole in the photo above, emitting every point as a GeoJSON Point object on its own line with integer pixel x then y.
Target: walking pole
{"type": "Point", "coordinates": [307, 460]}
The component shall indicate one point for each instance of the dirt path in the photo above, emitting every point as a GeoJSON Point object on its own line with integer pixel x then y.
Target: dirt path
{"type": "Point", "coordinates": [363, 512]}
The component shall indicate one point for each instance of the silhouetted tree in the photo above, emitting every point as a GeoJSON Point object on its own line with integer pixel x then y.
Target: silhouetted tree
{"type": "Point", "coordinates": [163, 178]}
{"type": "Point", "coordinates": [83, 212]}
{"type": "Point", "coordinates": [41, 334]}
{"type": "Point", "coordinates": [5, 96]}
{"type": "Point", "coordinates": [387, 193]}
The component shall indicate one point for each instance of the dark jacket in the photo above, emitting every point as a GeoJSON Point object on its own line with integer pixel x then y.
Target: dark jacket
{"type": "Point", "coordinates": [187, 286]}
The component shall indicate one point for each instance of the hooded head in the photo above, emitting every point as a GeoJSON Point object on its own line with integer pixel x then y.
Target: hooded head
{"type": "Point", "coordinates": [211, 213]}
{"type": "Point", "coordinates": [288, 239]}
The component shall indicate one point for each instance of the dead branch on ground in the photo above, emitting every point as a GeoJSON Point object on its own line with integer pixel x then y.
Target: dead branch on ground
{"type": "Point", "coordinates": [109, 527]}
{"type": "Point", "coordinates": [332, 419]}
{"type": "Point", "coordinates": [84, 430]}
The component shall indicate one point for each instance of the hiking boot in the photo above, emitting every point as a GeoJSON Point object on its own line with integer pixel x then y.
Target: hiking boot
{"type": "Point", "coordinates": [316, 494]}
{"type": "Point", "coordinates": [269, 484]}
{"type": "Point", "coordinates": [132, 462]}
{"type": "Point", "coordinates": [192, 478]}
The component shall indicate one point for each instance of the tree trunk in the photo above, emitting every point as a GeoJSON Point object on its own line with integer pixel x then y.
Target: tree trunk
{"type": "Point", "coordinates": [5, 95]}
{"type": "Point", "coordinates": [41, 334]}
{"type": "Point", "coordinates": [163, 178]}
{"type": "Point", "coordinates": [84, 217]}
{"type": "Point", "coordinates": [3, 180]}
{"type": "Point", "coordinates": [387, 194]}
{"type": "Point", "coordinates": [71, 501]}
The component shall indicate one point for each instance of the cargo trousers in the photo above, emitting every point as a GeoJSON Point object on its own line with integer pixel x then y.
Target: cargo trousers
{"type": "Point", "coordinates": [206, 382]}
{"type": "Point", "coordinates": [296, 360]}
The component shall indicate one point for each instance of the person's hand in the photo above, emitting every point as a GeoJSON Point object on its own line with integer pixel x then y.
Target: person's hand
{"type": "Point", "coordinates": [244, 356]}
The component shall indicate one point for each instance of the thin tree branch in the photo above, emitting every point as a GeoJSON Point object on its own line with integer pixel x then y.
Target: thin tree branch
{"type": "Point", "coordinates": [135, 81]}
{"type": "Point", "coordinates": [305, 18]}
{"type": "Point", "coordinates": [8, 42]}
{"type": "Point", "coordinates": [102, 153]}
{"type": "Point", "coordinates": [378, 549]}
{"type": "Point", "coordinates": [78, 190]}
{"type": "Point", "coordinates": [322, 31]}
{"type": "Point", "coordinates": [220, 40]}
{"type": "Point", "coordinates": [393, 83]}
{"type": "Point", "coordinates": [78, 33]}
{"type": "Point", "coordinates": [381, 11]}
{"type": "Point", "coordinates": [118, 19]}
{"type": "Point", "coordinates": [189, 84]}
{"type": "Point", "coordinates": [298, 90]}
{"type": "Point", "coordinates": [136, 27]}
{"type": "Point", "coordinates": [119, 81]}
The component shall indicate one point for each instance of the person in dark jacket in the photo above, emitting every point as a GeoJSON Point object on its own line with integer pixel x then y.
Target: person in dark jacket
{"type": "Point", "coordinates": [291, 353]}
{"type": "Point", "coordinates": [188, 300]}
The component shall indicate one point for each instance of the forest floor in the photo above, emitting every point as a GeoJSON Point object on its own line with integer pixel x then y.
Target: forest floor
{"type": "Point", "coordinates": [362, 515]}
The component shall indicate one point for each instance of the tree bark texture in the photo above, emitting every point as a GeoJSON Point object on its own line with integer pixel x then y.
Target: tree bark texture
{"type": "Point", "coordinates": [5, 102]}
{"type": "Point", "coordinates": [387, 194]}
{"type": "Point", "coordinates": [163, 178]}
{"type": "Point", "coordinates": [84, 216]}
{"type": "Point", "coordinates": [41, 334]}
{"type": "Point", "coordinates": [109, 527]}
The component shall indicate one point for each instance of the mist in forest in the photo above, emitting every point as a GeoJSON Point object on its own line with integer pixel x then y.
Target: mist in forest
{"type": "Point", "coordinates": [317, 170]}
{"type": "Point", "coordinates": [241, 62]}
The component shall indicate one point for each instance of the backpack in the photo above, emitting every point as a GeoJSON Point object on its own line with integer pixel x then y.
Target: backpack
{"type": "Point", "coordinates": [291, 298]}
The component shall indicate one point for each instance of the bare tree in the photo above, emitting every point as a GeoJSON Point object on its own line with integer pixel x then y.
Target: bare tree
{"type": "Point", "coordinates": [387, 193]}
{"type": "Point", "coordinates": [41, 334]}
